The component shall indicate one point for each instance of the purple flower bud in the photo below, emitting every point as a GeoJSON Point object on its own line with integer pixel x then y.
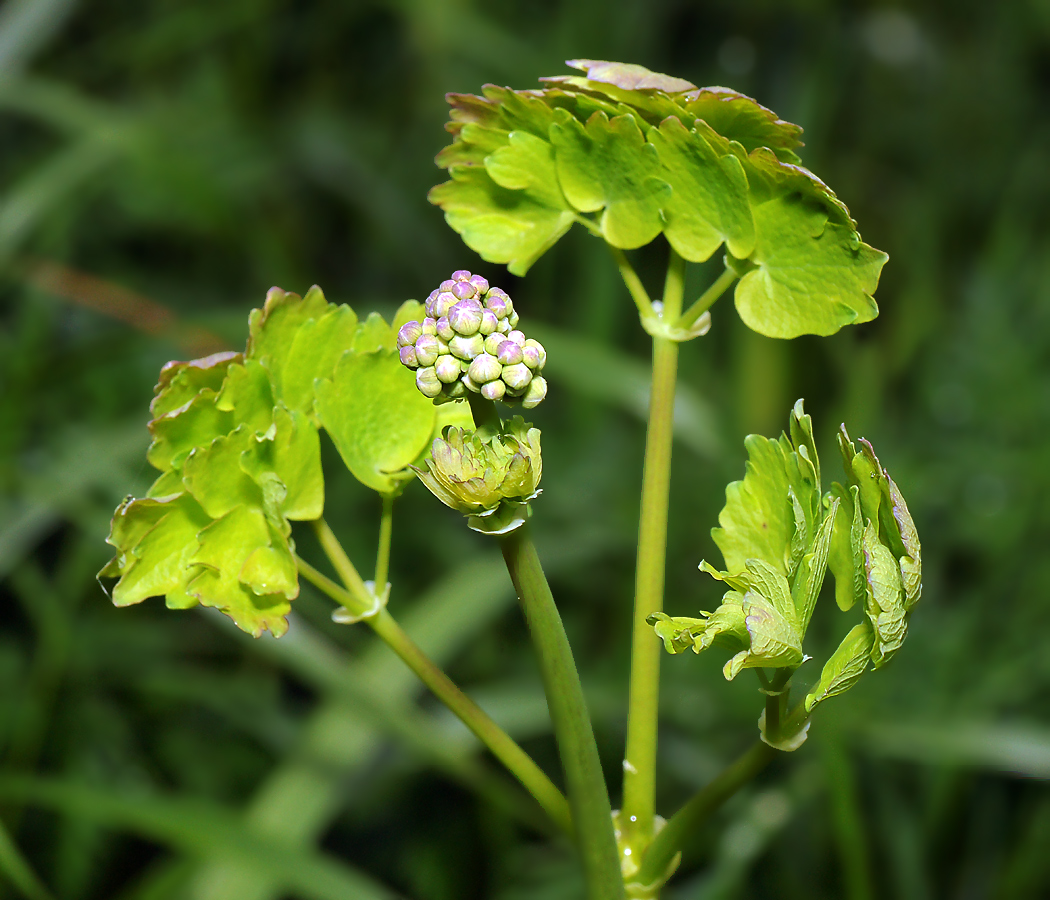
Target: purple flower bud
{"type": "Point", "coordinates": [427, 382]}
{"type": "Point", "coordinates": [461, 275]}
{"type": "Point", "coordinates": [446, 285]}
{"type": "Point", "coordinates": [517, 377]}
{"type": "Point", "coordinates": [429, 302]}
{"type": "Point", "coordinates": [494, 390]}
{"type": "Point", "coordinates": [426, 349]}
{"type": "Point", "coordinates": [463, 290]}
{"type": "Point", "coordinates": [513, 320]}
{"type": "Point", "coordinates": [408, 333]}
{"type": "Point", "coordinates": [485, 368]}
{"type": "Point", "coordinates": [465, 317]}
{"type": "Point", "coordinates": [489, 322]}
{"type": "Point", "coordinates": [498, 303]}
{"type": "Point", "coordinates": [537, 390]}
{"type": "Point", "coordinates": [509, 353]}
{"type": "Point", "coordinates": [408, 357]}
{"type": "Point", "coordinates": [466, 347]}
{"type": "Point", "coordinates": [492, 343]}
{"type": "Point", "coordinates": [480, 283]}
{"type": "Point", "coordinates": [517, 337]}
{"type": "Point", "coordinates": [429, 326]}
{"type": "Point", "coordinates": [447, 369]}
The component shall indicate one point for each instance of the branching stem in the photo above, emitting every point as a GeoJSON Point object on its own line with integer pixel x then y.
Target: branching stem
{"type": "Point", "coordinates": [707, 299]}
{"type": "Point", "coordinates": [588, 794]}
{"type": "Point", "coordinates": [356, 597]}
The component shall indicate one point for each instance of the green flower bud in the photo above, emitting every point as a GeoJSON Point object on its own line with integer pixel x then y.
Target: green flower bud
{"type": "Point", "coordinates": [517, 336]}
{"type": "Point", "coordinates": [447, 369]}
{"type": "Point", "coordinates": [426, 349]}
{"type": "Point", "coordinates": [492, 343]}
{"type": "Point", "coordinates": [429, 326]}
{"type": "Point", "coordinates": [427, 382]}
{"type": "Point", "coordinates": [491, 482]}
{"type": "Point", "coordinates": [489, 322]}
{"type": "Point", "coordinates": [465, 347]}
{"type": "Point", "coordinates": [509, 353]}
{"type": "Point", "coordinates": [535, 355]}
{"type": "Point", "coordinates": [504, 327]}
{"type": "Point", "coordinates": [484, 368]}
{"type": "Point", "coordinates": [465, 317]}
{"type": "Point", "coordinates": [513, 320]}
{"type": "Point", "coordinates": [535, 392]}
{"type": "Point", "coordinates": [470, 384]}
{"type": "Point", "coordinates": [442, 304]}
{"type": "Point", "coordinates": [494, 390]}
{"type": "Point", "coordinates": [517, 377]}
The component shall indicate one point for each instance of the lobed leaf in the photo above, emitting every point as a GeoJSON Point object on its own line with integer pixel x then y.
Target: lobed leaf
{"type": "Point", "coordinates": [775, 641]}
{"type": "Point", "coordinates": [845, 666]}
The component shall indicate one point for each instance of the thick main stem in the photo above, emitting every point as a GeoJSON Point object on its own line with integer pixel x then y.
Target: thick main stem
{"type": "Point", "coordinates": [639, 781]}
{"type": "Point", "coordinates": [672, 837]}
{"type": "Point", "coordinates": [588, 795]}
{"type": "Point", "coordinates": [356, 598]}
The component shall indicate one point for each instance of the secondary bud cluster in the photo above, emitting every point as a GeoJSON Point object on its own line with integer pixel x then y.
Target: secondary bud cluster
{"type": "Point", "coordinates": [469, 342]}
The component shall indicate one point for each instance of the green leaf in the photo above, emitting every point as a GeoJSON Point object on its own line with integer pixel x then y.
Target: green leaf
{"type": "Point", "coordinates": [246, 569]}
{"type": "Point", "coordinates": [810, 575]}
{"type": "Point", "coordinates": [741, 119]}
{"type": "Point", "coordinates": [846, 555]}
{"type": "Point", "coordinates": [180, 382]}
{"type": "Point", "coordinates": [292, 456]}
{"type": "Point", "coordinates": [247, 393]}
{"type": "Point", "coordinates": [812, 275]}
{"type": "Point", "coordinates": [378, 421]}
{"type": "Point", "coordinates": [176, 433]}
{"type": "Point", "coordinates": [773, 587]}
{"type": "Point", "coordinates": [709, 203]}
{"type": "Point", "coordinates": [272, 329]}
{"type": "Point", "coordinates": [885, 598]}
{"type": "Point", "coordinates": [607, 165]}
{"type": "Point", "coordinates": [373, 334]}
{"type": "Point", "coordinates": [155, 540]}
{"type": "Point", "coordinates": [725, 627]}
{"type": "Point", "coordinates": [775, 642]}
{"type": "Point", "coordinates": [629, 76]}
{"type": "Point", "coordinates": [315, 349]}
{"type": "Point", "coordinates": [845, 667]}
{"type": "Point", "coordinates": [501, 225]}
{"type": "Point", "coordinates": [214, 477]}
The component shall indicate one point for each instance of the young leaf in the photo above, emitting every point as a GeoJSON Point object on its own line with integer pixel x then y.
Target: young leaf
{"type": "Point", "coordinates": [845, 667]}
{"type": "Point", "coordinates": [607, 165]}
{"type": "Point", "coordinates": [177, 433]}
{"type": "Point", "coordinates": [248, 394]}
{"type": "Point", "coordinates": [214, 477]}
{"type": "Point", "coordinates": [315, 349]}
{"type": "Point", "coordinates": [741, 119]}
{"type": "Point", "coordinates": [885, 598]}
{"type": "Point", "coordinates": [810, 576]}
{"type": "Point", "coordinates": [378, 421]}
{"type": "Point", "coordinates": [812, 276]}
{"type": "Point", "coordinates": [292, 455]}
{"type": "Point", "coordinates": [846, 555]}
{"type": "Point", "coordinates": [708, 204]}
{"type": "Point", "coordinates": [775, 642]}
{"type": "Point", "coordinates": [629, 76]}
{"type": "Point", "coordinates": [180, 382]}
{"type": "Point", "coordinates": [272, 329]}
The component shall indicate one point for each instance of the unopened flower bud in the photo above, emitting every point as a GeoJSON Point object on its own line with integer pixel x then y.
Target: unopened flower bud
{"type": "Point", "coordinates": [408, 357]}
{"type": "Point", "coordinates": [466, 347]}
{"type": "Point", "coordinates": [465, 317]}
{"type": "Point", "coordinates": [513, 320]}
{"type": "Point", "coordinates": [442, 304]}
{"type": "Point", "coordinates": [535, 392]}
{"type": "Point", "coordinates": [461, 275]}
{"type": "Point", "coordinates": [509, 353]}
{"type": "Point", "coordinates": [447, 369]}
{"type": "Point", "coordinates": [470, 384]}
{"type": "Point", "coordinates": [485, 368]}
{"type": "Point", "coordinates": [444, 329]}
{"type": "Point", "coordinates": [464, 290]}
{"type": "Point", "coordinates": [408, 333]}
{"type": "Point", "coordinates": [447, 284]}
{"type": "Point", "coordinates": [489, 322]}
{"type": "Point", "coordinates": [517, 377]}
{"type": "Point", "coordinates": [492, 343]}
{"type": "Point", "coordinates": [517, 337]}
{"type": "Point", "coordinates": [481, 284]}
{"type": "Point", "coordinates": [442, 345]}
{"type": "Point", "coordinates": [493, 390]}
{"type": "Point", "coordinates": [535, 355]}
{"type": "Point", "coordinates": [426, 349]}
{"type": "Point", "coordinates": [503, 327]}
{"type": "Point", "coordinates": [427, 382]}
{"type": "Point", "coordinates": [429, 326]}
{"type": "Point", "coordinates": [498, 302]}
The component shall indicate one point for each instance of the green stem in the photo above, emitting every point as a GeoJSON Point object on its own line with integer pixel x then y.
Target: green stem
{"type": "Point", "coordinates": [487, 422]}
{"type": "Point", "coordinates": [639, 781]}
{"type": "Point", "coordinates": [503, 747]}
{"type": "Point", "coordinates": [634, 284]}
{"type": "Point", "coordinates": [707, 299]}
{"type": "Point", "coordinates": [383, 554]}
{"type": "Point", "coordinates": [671, 839]}
{"type": "Point", "coordinates": [588, 795]}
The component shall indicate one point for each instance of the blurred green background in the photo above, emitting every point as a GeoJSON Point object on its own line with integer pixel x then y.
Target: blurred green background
{"type": "Point", "coordinates": [163, 163]}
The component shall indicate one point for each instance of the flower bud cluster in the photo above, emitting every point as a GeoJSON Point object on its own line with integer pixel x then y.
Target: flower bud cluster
{"type": "Point", "coordinates": [469, 342]}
